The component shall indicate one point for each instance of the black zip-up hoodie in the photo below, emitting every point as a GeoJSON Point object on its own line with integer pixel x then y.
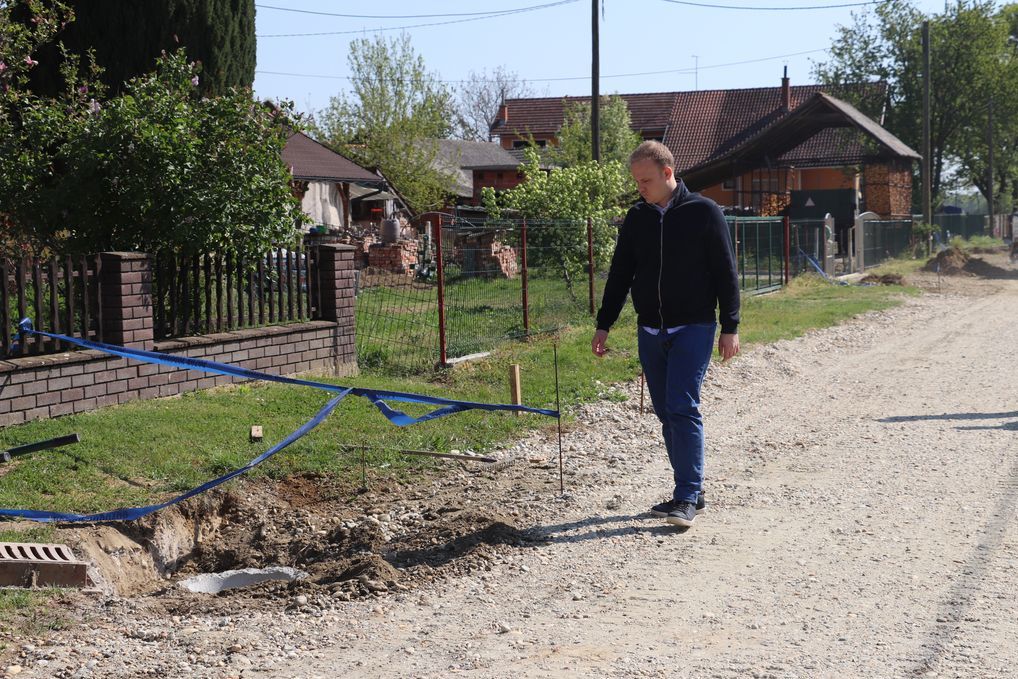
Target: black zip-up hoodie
{"type": "Point", "coordinates": [679, 265]}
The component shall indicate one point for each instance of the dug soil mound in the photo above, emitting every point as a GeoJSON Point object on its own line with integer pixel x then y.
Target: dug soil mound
{"type": "Point", "coordinates": [949, 262]}
{"type": "Point", "coordinates": [886, 279]}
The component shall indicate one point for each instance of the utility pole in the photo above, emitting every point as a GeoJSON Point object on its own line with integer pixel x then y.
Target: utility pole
{"type": "Point", "coordinates": [927, 179]}
{"type": "Point", "coordinates": [595, 97]}
{"type": "Point", "coordinates": [989, 185]}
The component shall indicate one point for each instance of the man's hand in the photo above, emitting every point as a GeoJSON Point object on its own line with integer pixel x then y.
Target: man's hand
{"type": "Point", "coordinates": [597, 345]}
{"type": "Point", "coordinates": [728, 345]}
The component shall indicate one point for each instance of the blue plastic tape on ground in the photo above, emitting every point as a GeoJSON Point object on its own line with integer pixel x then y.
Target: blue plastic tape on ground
{"type": "Point", "coordinates": [448, 407]}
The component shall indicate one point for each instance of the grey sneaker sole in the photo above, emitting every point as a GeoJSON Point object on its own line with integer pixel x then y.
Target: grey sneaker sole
{"type": "Point", "coordinates": [676, 521]}
{"type": "Point", "coordinates": [662, 515]}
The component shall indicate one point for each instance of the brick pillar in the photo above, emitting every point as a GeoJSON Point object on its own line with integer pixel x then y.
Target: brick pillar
{"type": "Point", "coordinates": [336, 291]}
{"type": "Point", "coordinates": [126, 280]}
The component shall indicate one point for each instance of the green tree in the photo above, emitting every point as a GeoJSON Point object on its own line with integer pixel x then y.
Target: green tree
{"type": "Point", "coordinates": [601, 192]}
{"type": "Point", "coordinates": [999, 37]}
{"type": "Point", "coordinates": [160, 167]}
{"type": "Point", "coordinates": [617, 136]}
{"type": "Point", "coordinates": [128, 37]}
{"type": "Point", "coordinates": [391, 119]}
{"type": "Point", "coordinates": [885, 44]}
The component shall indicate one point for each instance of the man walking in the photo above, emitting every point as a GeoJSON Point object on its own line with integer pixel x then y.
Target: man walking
{"type": "Point", "coordinates": [674, 255]}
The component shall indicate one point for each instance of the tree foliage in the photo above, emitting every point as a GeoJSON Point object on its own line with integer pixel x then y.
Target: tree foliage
{"type": "Point", "coordinates": [161, 166]}
{"type": "Point", "coordinates": [392, 117]}
{"type": "Point", "coordinates": [618, 139]}
{"type": "Point", "coordinates": [971, 59]}
{"type": "Point", "coordinates": [565, 198]}
{"type": "Point", "coordinates": [128, 37]}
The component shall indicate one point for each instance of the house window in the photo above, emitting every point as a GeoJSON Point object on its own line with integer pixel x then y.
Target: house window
{"type": "Point", "coordinates": [499, 175]}
{"type": "Point", "coordinates": [519, 144]}
{"type": "Point", "coordinates": [728, 185]}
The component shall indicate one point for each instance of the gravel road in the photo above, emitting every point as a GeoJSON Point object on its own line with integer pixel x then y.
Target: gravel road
{"type": "Point", "coordinates": [862, 483]}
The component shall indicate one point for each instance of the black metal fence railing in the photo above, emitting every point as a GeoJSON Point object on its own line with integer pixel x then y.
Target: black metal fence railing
{"type": "Point", "coordinates": [760, 252]}
{"type": "Point", "coordinates": [200, 294]}
{"type": "Point", "coordinates": [885, 239]}
{"type": "Point", "coordinates": [808, 245]}
{"type": "Point", "coordinates": [60, 294]}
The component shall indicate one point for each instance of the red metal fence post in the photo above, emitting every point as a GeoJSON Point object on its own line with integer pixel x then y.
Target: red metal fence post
{"type": "Point", "coordinates": [788, 251]}
{"type": "Point", "coordinates": [590, 263]}
{"type": "Point", "coordinates": [442, 357]}
{"type": "Point", "coordinates": [524, 274]}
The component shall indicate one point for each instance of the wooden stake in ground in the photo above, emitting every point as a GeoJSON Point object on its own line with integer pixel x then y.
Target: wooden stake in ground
{"type": "Point", "coordinates": [515, 386]}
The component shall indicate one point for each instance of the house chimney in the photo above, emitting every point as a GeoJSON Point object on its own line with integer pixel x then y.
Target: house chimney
{"type": "Point", "coordinates": [786, 92]}
{"type": "Point", "coordinates": [503, 114]}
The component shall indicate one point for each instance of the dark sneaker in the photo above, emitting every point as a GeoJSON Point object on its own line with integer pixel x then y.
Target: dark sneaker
{"type": "Point", "coordinates": [664, 508]}
{"type": "Point", "coordinates": [682, 514]}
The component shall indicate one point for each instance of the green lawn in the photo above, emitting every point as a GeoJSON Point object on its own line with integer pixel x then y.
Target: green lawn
{"type": "Point", "coordinates": [141, 452]}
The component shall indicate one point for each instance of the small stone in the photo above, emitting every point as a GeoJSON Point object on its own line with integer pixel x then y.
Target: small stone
{"type": "Point", "coordinates": [301, 600]}
{"type": "Point", "coordinates": [14, 669]}
{"type": "Point", "coordinates": [502, 627]}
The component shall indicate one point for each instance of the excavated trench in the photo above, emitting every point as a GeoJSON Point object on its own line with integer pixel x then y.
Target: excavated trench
{"type": "Point", "coordinates": [343, 543]}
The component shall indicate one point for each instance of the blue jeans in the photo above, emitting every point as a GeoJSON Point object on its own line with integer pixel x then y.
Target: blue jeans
{"type": "Point", "coordinates": [674, 366]}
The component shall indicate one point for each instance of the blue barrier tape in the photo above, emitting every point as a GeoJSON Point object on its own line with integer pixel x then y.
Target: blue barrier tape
{"type": "Point", "coordinates": [374, 395]}
{"type": "Point", "coordinates": [132, 513]}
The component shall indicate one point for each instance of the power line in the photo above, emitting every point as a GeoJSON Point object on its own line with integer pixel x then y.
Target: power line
{"type": "Point", "coordinates": [492, 15]}
{"type": "Point", "coordinates": [772, 9]}
{"type": "Point", "coordinates": [398, 16]}
{"type": "Point", "coordinates": [582, 77]}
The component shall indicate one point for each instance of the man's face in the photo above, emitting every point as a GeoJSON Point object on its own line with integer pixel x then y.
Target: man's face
{"type": "Point", "coordinates": [652, 180]}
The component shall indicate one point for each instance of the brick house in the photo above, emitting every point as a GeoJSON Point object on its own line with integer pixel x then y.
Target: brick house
{"type": "Point", "coordinates": [759, 149]}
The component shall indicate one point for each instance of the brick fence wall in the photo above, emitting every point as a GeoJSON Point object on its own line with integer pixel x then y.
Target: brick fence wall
{"type": "Point", "coordinates": [39, 387]}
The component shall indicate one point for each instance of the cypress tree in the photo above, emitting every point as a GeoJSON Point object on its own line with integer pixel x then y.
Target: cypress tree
{"type": "Point", "coordinates": [128, 35]}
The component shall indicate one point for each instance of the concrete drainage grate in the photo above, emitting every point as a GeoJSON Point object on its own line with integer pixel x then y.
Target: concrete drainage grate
{"type": "Point", "coordinates": [39, 565]}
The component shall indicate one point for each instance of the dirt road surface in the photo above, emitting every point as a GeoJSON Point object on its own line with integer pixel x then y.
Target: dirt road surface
{"type": "Point", "coordinates": [862, 488]}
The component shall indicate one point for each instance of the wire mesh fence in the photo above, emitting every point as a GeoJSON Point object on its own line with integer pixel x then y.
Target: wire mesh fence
{"type": "Point", "coordinates": [434, 300]}
{"type": "Point", "coordinates": [461, 287]}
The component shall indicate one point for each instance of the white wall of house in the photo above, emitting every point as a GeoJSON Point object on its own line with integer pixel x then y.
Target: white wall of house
{"type": "Point", "coordinates": [323, 203]}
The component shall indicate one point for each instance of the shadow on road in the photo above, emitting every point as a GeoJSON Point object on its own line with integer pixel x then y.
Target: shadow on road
{"type": "Point", "coordinates": [950, 416]}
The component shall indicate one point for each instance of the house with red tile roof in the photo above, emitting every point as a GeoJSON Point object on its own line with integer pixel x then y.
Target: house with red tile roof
{"type": "Point", "coordinates": [754, 149]}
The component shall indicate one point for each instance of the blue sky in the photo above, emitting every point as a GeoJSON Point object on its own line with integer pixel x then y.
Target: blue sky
{"type": "Point", "coordinates": [636, 36]}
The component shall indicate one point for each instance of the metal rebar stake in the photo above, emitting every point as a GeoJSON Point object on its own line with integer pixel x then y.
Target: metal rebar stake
{"type": "Point", "coordinates": [641, 392]}
{"type": "Point", "coordinates": [364, 470]}
{"type": "Point", "coordinates": [558, 409]}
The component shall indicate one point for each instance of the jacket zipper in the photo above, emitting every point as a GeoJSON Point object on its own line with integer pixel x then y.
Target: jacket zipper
{"type": "Point", "coordinates": [660, 271]}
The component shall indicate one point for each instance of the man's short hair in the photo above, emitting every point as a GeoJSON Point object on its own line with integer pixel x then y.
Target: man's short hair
{"type": "Point", "coordinates": [655, 151]}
